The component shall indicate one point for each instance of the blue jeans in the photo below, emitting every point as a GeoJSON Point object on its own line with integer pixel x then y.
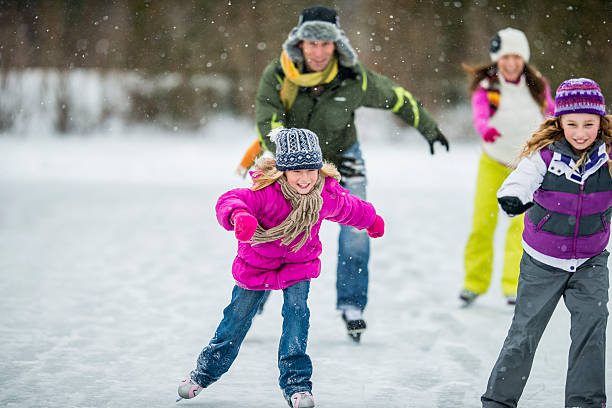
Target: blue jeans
{"type": "Point", "coordinates": [353, 245]}
{"type": "Point", "coordinates": [293, 362]}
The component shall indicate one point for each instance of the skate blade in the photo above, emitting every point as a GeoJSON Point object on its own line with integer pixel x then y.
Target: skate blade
{"type": "Point", "coordinates": [179, 398]}
{"type": "Point", "coordinates": [356, 331]}
{"type": "Point", "coordinates": [356, 337]}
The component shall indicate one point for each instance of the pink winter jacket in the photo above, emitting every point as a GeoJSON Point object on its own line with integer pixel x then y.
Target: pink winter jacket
{"type": "Point", "coordinates": [274, 266]}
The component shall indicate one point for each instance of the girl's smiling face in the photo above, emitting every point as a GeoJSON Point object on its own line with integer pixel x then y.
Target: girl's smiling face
{"type": "Point", "coordinates": [302, 181]}
{"type": "Point", "coordinates": [511, 66]}
{"type": "Point", "coordinates": [580, 130]}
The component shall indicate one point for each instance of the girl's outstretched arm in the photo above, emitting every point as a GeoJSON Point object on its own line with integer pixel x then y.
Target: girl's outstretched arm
{"type": "Point", "coordinates": [349, 209]}
{"type": "Point", "coordinates": [238, 199]}
{"type": "Point", "coordinates": [525, 180]}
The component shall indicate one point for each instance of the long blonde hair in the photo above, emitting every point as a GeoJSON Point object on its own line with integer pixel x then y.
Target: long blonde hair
{"type": "Point", "coordinates": [550, 131]}
{"type": "Point", "coordinates": [266, 173]}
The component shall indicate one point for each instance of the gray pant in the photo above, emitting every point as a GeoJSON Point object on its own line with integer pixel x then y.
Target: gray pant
{"type": "Point", "coordinates": [540, 287]}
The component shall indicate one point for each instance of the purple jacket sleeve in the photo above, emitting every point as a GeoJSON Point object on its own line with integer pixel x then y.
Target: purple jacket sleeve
{"type": "Point", "coordinates": [348, 209]}
{"type": "Point", "coordinates": [240, 198]}
{"type": "Point", "coordinates": [481, 112]}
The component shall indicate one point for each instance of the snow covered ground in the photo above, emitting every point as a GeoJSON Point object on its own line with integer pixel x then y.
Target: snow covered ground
{"type": "Point", "coordinates": [115, 273]}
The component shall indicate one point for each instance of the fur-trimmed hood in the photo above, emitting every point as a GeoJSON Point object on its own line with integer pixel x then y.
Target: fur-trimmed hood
{"type": "Point", "coordinates": [320, 31]}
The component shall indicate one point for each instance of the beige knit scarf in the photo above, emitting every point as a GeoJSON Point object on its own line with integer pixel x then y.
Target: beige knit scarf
{"type": "Point", "coordinates": [302, 218]}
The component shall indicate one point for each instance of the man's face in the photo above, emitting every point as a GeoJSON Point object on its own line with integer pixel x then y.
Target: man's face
{"type": "Point", "coordinates": [317, 54]}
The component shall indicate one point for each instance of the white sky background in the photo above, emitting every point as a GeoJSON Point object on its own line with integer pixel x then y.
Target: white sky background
{"type": "Point", "coordinates": [115, 274]}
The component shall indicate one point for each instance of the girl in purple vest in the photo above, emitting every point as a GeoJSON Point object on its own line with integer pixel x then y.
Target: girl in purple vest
{"type": "Point", "coordinates": [277, 224]}
{"type": "Point", "coordinates": [564, 182]}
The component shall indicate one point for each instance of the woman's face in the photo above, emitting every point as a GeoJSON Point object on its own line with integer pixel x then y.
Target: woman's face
{"type": "Point", "coordinates": [317, 54]}
{"type": "Point", "coordinates": [580, 130]}
{"type": "Point", "coordinates": [511, 66]}
{"type": "Point", "coordinates": [302, 181]}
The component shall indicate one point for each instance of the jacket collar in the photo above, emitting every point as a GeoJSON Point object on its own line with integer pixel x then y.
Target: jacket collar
{"type": "Point", "coordinates": [564, 160]}
{"type": "Point", "coordinates": [562, 146]}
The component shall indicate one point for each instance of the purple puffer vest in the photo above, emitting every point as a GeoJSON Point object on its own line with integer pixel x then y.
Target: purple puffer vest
{"type": "Point", "coordinates": [274, 266]}
{"type": "Point", "coordinates": [570, 220]}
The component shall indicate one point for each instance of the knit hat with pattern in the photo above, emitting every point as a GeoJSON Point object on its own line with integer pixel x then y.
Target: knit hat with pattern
{"type": "Point", "coordinates": [296, 149]}
{"type": "Point", "coordinates": [579, 95]}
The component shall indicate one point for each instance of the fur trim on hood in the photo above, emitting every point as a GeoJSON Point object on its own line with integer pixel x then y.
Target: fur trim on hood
{"type": "Point", "coordinates": [320, 31]}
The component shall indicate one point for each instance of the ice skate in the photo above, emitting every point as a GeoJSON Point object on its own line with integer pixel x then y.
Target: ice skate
{"type": "Point", "coordinates": [302, 399]}
{"type": "Point", "coordinates": [467, 297]}
{"type": "Point", "coordinates": [355, 325]}
{"type": "Point", "coordinates": [188, 389]}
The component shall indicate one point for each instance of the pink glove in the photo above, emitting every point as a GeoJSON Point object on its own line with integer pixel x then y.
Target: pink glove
{"type": "Point", "coordinates": [244, 225]}
{"type": "Point", "coordinates": [491, 135]}
{"type": "Point", "coordinates": [377, 229]}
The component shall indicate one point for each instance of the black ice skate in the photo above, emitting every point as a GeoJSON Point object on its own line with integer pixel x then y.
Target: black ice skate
{"type": "Point", "coordinates": [355, 325]}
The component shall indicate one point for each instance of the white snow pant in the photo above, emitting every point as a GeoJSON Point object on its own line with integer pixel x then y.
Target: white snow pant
{"type": "Point", "coordinates": [540, 287]}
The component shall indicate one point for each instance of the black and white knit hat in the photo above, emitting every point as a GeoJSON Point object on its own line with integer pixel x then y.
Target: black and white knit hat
{"type": "Point", "coordinates": [296, 149]}
{"type": "Point", "coordinates": [318, 23]}
{"type": "Point", "coordinates": [509, 41]}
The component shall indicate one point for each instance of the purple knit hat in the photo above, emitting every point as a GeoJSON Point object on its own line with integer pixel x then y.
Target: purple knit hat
{"type": "Point", "coordinates": [579, 95]}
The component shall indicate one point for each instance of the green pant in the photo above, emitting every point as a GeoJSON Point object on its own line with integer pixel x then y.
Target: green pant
{"type": "Point", "coordinates": [479, 249]}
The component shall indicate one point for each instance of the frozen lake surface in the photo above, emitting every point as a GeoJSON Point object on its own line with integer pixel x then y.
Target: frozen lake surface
{"type": "Point", "coordinates": [115, 274]}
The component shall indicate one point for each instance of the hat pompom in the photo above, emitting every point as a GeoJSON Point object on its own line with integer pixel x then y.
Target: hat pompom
{"type": "Point", "coordinates": [273, 134]}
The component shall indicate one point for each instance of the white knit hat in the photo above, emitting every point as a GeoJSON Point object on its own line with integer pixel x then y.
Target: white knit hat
{"type": "Point", "coordinates": [509, 41]}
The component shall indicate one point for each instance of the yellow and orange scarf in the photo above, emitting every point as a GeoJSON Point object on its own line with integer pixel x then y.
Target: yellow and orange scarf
{"type": "Point", "coordinates": [294, 78]}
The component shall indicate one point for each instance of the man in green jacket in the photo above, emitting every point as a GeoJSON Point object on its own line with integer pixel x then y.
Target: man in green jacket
{"type": "Point", "coordinates": [317, 83]}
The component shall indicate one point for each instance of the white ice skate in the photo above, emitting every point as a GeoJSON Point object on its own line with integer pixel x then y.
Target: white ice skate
{"type": "Point", "coordinates": [302, 399]}
{"type": "Point", "coordinates": [467, 297]}
{"type": "Point", "coordinates": [188, 389]}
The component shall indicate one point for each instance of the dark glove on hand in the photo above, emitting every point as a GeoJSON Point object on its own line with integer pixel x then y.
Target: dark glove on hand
{"type": "Point", "coordinates": [351, 167]}
{"type": "Point", "coordinates": [437, 137]}
{"type": "Point", "coordinates": [513, 205]}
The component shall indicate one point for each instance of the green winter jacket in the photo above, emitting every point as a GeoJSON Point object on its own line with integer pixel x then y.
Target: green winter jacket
{"type": "Point", "coordinates": [331, 114]}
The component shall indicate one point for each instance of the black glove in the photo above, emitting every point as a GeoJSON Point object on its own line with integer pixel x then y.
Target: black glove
{"type": "Point", "coordinates": [428, 127]}
{"type": "Point", "coordinates": [351, 167]}
{"type": "Point", "coordinates": [512, 205]}
{"type": "Point", "coordinates": [437, 137]}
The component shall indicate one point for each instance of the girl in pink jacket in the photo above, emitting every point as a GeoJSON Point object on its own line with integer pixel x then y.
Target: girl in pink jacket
{"type": "Point", "coordinates": [277, 224]}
